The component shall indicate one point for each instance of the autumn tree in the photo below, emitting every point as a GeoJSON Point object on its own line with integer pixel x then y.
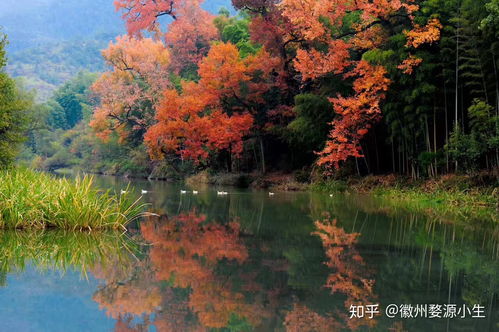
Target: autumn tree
{"type": "Point", "coordinates": [129, 92]}
{"type": "Point", "coordinates": [189, 37]}
{"type": "Point", "coordinates": [274, 31]}
{"type": "Point", "coordinates": [217, 112]}
{"type": "Point", "coordinates": [333, 35]}
{"type": "Point", "coordinates": [144, 15]}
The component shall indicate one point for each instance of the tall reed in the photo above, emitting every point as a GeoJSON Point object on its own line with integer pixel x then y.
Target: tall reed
{"type": "Point", "coordinates": [30, 199]}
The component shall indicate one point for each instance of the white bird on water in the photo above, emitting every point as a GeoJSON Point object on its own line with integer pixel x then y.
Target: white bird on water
{"type": "Point", "coordinates": [123, 192]}
{"type": "Point", "coordinates": [195, 192]}
{"type": "Point", "coordinates": [271, 194]}
{"type": "Point", "coordinates": [222, 193]}
{"type": "Point", "coordinates": [143, 191]}
{"type": "Point", "coordinates": [183, 191]}
{"type": "Point", "coordinates": [330, 195]}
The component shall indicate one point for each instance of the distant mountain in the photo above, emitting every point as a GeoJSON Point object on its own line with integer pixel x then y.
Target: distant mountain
{"type": "Point", "coordinates": [50, 41]}
{"type": "Point", "coordinates": [47, 66]}
{"type": "Point", "coordinates": [31, 23]}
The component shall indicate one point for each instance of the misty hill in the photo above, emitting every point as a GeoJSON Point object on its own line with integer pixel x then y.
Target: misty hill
{"type": "Point", "coordinates": [35, 23]}
{"type": "Point", "coordinates": [51, 41]}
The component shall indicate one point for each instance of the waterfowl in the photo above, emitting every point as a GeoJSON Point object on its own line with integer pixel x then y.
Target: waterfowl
{"type": "Point", "coordinates": [123, 192]}
{"type": "Point", "coordinates": [271, 194]}
{"type": "Point", "coordinates": [183, 191]}
{"type": "Point", "coordinates": [143, 191]}
{"type": "Point", "coordinates": [194, 192]}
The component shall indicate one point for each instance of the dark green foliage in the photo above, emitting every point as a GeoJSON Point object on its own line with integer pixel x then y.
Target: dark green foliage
{"type": "Point", "coordinates": [308, 131]}
{"type": "Point", "coordinates": [467, 150]}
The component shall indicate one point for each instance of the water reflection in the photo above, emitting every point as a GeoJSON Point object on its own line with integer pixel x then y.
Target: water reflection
{"type": "Point", "coordinates": [63, 251]}
{"type": "Point", "coordinates": [250, 262]}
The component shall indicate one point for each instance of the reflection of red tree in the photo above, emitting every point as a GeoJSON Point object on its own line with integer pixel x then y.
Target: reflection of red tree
{"type": "Point", "coordinates": [348, 264]}
{"type": "Point", "coordinates": [186, 251]}
{"type": "Point", "coordinates": [137, 296]}
{"type": "Point", "coordinates": [351, 276]}
{"type": "Point", "coordinates": [173, 315]}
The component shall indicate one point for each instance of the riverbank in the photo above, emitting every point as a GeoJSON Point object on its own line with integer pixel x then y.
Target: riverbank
{"type": "Point", "coordinates": [457, 196]}
{"type": "Point", "coordinates": [467, 196]}
{"type": "Point", "coordinates": [31, 199]}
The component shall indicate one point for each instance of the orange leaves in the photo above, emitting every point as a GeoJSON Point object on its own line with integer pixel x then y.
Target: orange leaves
{"type": "Point", "coordinates": [356, 114]}
{"type": "Point", "coordinates": [312, 63]}
{"type": "Point", "coordinates": [189, 36]}
{"type": "Point", "coordinates": [192, 124]}
{"type": "Point", "coordinates": [138, 75]}
{"type": "Point", "coordinates": [143, 14]}
{"type": "Point", "coordinates": [222, 70]}
{"type": "Point", "coordinates": [319, 23]}
{"type": "Point", "coordinates": [418, 36]}
{"type": "Point", "coordinates": [408, 65]}
{"type": "Point", "coordinates": [198, 120]}
{"type": "Point", "coordinates": [304, 15]}
{"type": "Point", "coordinates": [428, 34]}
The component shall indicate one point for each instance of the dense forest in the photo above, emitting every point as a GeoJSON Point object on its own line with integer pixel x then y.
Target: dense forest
{"type": "Point", "coordinates": [368, 87]}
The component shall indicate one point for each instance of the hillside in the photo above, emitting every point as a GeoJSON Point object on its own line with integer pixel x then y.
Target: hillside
{"type": "Point", "coordinates": [51, 41]}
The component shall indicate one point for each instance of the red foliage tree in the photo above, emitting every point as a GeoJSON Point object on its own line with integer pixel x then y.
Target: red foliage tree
{"type": "Point", "coordinates": [189, 36]}
{"type": "Point", "coordinates": [333, 26]}
{"type": "Point", "coordinates": [215, 113]}
{"type": "Point", "coordinates": [142, 15]}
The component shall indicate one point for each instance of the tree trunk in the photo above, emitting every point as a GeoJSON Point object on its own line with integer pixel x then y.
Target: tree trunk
{"type": "Point", "coordinates": [377, 153]}
{"type": "Point", "coordinates": [393, 157]}
{"type": "Point", "coordinates": [435, 137]}
{"type": "Point", "coordinates": [456, 123]}
{"type": "Point", "coordinates": [446, 126]}
{"type": "Point", "coordinates": [457, 74]}
{"type": "Point", "coordinates": [262, 151]}
{"type": "Point", "coordinates": [497, 103]}
{"type": "Point", "coordinates": [229, 160]}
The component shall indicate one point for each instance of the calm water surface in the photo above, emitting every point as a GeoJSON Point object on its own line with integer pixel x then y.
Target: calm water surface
{"type": "Point", "coordinates": [250, 262]}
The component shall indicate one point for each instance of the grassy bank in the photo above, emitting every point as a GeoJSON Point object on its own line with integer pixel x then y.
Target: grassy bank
{"type": "Point", "coordinates": [29, 199]}
{"type": "Point", "coordinates": [465, 196]}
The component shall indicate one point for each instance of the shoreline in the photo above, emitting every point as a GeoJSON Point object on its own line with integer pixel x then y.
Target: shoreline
{"type": "Point", "coordinates": [474, 196]}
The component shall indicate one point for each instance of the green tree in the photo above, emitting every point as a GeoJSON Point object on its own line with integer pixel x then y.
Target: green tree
{"type": "Point", "coordinates": [14, 106]}
{"type": "Point", "coordinates": [308, 131]}
{"type": "Point", "coordinates": [72, 97]}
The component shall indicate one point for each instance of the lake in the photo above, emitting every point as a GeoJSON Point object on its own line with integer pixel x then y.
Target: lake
{"type": "Point", "coordinates": [248, 261]}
